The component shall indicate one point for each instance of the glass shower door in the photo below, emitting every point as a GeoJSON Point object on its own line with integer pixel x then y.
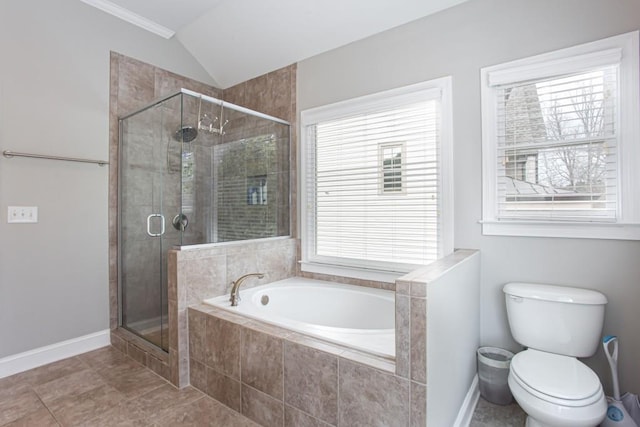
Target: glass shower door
{"type": "Point", "coordinates": [150, 198]}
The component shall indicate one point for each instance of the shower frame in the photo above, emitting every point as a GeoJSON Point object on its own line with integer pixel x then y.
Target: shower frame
{"type": "Point", "coordinates": [202, 97]}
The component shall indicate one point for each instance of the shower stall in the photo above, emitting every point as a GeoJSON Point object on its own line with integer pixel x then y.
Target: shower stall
{"type": "Point", "coordinates": [192, 170]}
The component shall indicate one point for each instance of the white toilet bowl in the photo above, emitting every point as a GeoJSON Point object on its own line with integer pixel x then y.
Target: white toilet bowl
{"type": "Point", "coordinates": [556, 390]}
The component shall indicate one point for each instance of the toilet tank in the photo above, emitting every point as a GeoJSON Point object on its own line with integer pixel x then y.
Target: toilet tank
{"type": "Point", "coordinates": [557, 319]}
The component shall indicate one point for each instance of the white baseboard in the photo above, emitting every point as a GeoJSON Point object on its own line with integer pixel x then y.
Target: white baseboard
{"type": "Point", "coordinates": [468, 405]}
{"type": "Point", "coordinates": [51, 353]}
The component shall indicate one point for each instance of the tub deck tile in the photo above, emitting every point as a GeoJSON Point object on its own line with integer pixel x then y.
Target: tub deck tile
{"type": "Point", "coordinates": [223, 314]}
{"type": "Point", "coordinates": [377, 362]}
{"type": "Point", "coordinates": [316, 343]}
{"type": "Point", "coordinates": [268, 329]}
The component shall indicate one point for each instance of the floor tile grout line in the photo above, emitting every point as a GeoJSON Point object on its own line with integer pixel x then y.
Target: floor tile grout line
{"type": "Point", "coordinates": [196, 397]}
{"type": "Point", "coordinates": [46, 406]}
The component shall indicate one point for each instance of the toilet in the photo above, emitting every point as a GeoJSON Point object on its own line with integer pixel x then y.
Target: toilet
{"type": "Point", "coordinates": [557, 324]}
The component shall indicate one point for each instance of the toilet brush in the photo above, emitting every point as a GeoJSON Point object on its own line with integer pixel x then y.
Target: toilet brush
{"type": "Point", "coordinates": [617, 414]}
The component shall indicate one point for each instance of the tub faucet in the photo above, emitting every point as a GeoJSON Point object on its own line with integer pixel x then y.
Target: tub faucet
{"type": "Point", "coordinates": [235, 289]}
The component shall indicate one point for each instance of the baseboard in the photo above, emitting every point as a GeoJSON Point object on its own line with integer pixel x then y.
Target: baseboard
{"type": "Point", "coordinates": [468, 405]}
{"type": "Point", "coordinates": [51, 353]}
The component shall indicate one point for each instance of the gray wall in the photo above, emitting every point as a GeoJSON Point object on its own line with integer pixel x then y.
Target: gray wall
{"type": "Point", "coordinates": [458, 42]}
{"type": "Point", "coordinates": [54, 99]}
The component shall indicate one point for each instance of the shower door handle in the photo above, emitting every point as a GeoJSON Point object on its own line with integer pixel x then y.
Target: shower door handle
{"type": "Point", "coordinates": [161, 225]}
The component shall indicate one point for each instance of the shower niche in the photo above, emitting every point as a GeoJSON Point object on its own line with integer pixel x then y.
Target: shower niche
{"type": "Point", "coordinates": [192, 170]}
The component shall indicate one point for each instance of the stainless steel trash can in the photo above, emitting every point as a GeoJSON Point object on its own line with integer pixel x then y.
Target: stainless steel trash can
{"type": "Point", "coordinates": [493, 371]}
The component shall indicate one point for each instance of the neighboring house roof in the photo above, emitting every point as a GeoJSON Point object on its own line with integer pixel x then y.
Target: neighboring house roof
{"type": "Point", "coordinates": [524, 188]}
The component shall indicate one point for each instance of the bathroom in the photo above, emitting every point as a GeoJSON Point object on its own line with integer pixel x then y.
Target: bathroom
{"type": "Point", "coordinates": [54, 279]}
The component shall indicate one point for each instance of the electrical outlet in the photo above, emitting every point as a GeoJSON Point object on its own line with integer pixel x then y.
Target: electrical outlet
{"type": "Point", "coordinates": [22, 214]}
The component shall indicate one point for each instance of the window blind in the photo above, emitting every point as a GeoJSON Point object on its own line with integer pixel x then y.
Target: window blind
{"type": "Point", "coordinates": [373, 186]}
{"type": "Point", "coordinates": [557, 147]}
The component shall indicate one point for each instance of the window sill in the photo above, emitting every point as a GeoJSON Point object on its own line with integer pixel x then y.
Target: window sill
{"type": "Point", "coordinates": [352, 272]}
{"type": "Point", "coordinates": [576, 230]}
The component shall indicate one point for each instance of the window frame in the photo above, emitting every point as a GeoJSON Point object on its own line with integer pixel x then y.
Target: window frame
{"type": "Point", "coordinates": [558, 63]}
{"type": "Point", "coordinates": [312, 263]}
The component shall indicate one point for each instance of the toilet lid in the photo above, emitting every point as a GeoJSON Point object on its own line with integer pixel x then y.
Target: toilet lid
{"type": "Point", "coordinates": [560, 377]}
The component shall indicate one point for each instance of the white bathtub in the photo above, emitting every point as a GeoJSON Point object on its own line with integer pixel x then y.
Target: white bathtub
{"type": "Point", "coordinates": [355, 316]}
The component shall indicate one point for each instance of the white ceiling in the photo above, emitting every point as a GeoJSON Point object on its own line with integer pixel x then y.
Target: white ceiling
{"type": "Point", "coordinates": [236, 40]}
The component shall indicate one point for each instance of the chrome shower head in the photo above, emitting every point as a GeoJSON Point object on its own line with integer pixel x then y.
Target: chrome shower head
{"type": "Point", "coordinates": [186, 134]}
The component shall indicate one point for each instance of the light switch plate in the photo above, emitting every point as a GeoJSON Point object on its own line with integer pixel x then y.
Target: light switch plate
{"type": "Point", "coordinates": [22, 215]}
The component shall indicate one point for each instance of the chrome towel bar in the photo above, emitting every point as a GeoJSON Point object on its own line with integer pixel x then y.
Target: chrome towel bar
{"type": "Point", "coordinates": [9, 154]}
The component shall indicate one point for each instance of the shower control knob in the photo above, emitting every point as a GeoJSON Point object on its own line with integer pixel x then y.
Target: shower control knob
{"type": "Point", "coordinates": [180, 222]}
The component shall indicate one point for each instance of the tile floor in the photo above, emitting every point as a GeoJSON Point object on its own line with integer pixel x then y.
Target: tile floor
{"type": "Point", "coordinates": [106, 388]}
{"type": "Point", "coordinates": [489, 415]}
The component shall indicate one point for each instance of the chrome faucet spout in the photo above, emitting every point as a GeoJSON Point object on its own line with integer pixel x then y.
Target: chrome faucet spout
{"type": "Point", "coordinates": [235, 289]}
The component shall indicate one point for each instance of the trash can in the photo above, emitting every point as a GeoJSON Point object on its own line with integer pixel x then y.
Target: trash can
{"type": "Point", "coordinates": [493, 370]}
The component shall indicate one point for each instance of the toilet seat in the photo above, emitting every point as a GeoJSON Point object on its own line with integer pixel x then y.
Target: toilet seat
{"type": "Point", "coordinates": [557, 379]}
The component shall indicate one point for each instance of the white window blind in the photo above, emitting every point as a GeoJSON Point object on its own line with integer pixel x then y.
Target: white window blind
{"type": "Point", "coordinates": [557, 150]}
{"type": "Point", "coordinates": [373, 186]}
{"type": "Point", "coordinates": [560, 152]}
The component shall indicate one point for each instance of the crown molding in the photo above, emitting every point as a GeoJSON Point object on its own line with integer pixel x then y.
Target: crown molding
{"type": "Point", "coordinates": [131, 17]}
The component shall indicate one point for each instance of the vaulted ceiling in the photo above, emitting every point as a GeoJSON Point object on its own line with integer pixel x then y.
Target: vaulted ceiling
{"type": "Point", "coordinates": [236, 40]}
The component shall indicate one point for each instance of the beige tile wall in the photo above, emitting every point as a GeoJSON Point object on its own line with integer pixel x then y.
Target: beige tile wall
{"type": "Point", "coordinates": [274, 94]}
{"type": "Point", "coordinates": [196, 274]}
{"type": "Point", "coordinates": [134, 84]}
{"type": "Point", "coordinates": [208, 272]}
{"type": "Point", "coordinates": [201, 273]}
{"type": "Point", "coordinates": [278, 377]}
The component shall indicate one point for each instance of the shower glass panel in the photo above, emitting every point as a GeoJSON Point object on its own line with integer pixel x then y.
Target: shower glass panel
{"type": "Point", "coordinates": [149, 198]}
{"type": "Point", "coordinates": [192, 170]}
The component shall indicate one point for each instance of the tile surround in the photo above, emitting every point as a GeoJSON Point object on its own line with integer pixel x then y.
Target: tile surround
{"type": "Point", "coordinates": [211, 264]}
{"type": "Point", "coordinates": [133, 84]}
{"type": "Point", "coordinates": [277, 396]}
{"type": "Point", "coordinates": [317, 383]}
{"type": "Point", "coordinates": [290, 378]}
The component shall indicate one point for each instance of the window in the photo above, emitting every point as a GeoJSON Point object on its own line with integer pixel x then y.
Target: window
{"type": "Point", "coordinates": [560, 143]}
{"type": "Point", "coordinates": [390, 164]}
{"type": "Point", "coordinates": [374, 172]}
